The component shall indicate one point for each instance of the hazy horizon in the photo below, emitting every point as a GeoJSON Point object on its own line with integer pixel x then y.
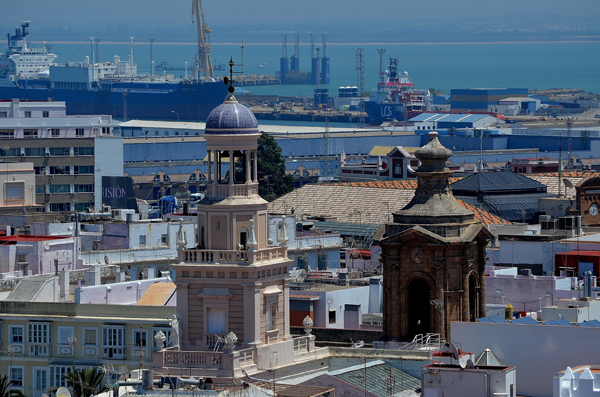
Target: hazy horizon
{"type": "Point", "coordinates": [345, 21]}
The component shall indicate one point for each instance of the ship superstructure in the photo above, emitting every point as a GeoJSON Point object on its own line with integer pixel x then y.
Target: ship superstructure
{"type": "Point", "coordinates": [110, 88]}
{"type": "Point", "coordinates": [22, 61]}
{"type": "Point", "coordinates": [396, 97]}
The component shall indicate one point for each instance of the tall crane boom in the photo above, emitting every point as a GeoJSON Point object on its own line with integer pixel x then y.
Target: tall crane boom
{"type": "Point", "coordinates": [202, 64]}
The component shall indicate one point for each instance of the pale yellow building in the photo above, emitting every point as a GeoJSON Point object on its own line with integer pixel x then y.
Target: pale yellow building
{"type": "Point", "coordinates": [41, 341]}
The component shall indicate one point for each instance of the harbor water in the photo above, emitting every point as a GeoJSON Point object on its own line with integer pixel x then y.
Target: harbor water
{"type": "Point", "coordinates": [542, 65]}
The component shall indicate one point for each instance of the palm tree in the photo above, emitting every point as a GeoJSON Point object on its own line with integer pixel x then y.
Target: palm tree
{"type": "Point", "coordinates": [6, 391]}
{"type": "Point", "coordinates": [83, 382]}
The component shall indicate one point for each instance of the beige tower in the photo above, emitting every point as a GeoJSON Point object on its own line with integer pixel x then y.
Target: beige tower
{"type": "Point", "coordinates": [433, 256]}
{"type": "Point", "coordinates": [235, 281]}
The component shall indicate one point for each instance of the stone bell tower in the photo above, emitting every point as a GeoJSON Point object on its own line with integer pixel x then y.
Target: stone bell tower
{"type": "Point", "coordinates": [433, 256]}
{"type": "Point", "coordinates": [235, 281]}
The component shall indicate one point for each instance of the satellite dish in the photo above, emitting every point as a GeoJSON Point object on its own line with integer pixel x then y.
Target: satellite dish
{"type": "Point", "coordinates": [46, 246]}
{"type": "Point", "coordinates": [568, 183]}
{"type": "Point", "coordinates": [454, 351]}
{"type": "Point", "coordinates": [106, 259]}
{"type": "Point", "coordinates": [463, 362]}
{"type": "Point", "coordinates": [470, 364]}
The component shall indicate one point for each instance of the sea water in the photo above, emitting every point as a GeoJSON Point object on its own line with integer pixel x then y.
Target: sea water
{"type": "Point", "coordinates": [443, 67]}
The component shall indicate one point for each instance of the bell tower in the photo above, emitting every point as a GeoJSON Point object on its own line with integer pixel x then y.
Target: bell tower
{"type": "Point", "coordinates": [235, 281]}
{"type": "Point", "coordinates": [433, 256]}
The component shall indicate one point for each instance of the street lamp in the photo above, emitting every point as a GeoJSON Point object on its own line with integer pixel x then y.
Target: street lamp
{"type": "Point", "coordinates": [172, 111]}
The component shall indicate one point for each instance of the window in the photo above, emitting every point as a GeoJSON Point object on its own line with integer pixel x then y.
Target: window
{"type": "Point", "coordinates": [322, 262]}
{"type": "Point", "coordinates": [39, 189]}
{"type": "Point", "coordinates": [113, 342]}
{"type": "Point", "coordinates": [41, 379]}
{"type": "Point", "coordinates": [89, 188]}
{"type": "Point", "coordinates": [14, 191]}
{"type": "Point", "coordinates": [142, 239]}
{"type": "Point", "coordinates": [7, 133]}
{"type": "Point", "coordinates": [332, 316]}
{"type": "Point", "coordinates": [84, 151]}
{"type": "Point", "coordinates": [64, 333]}
{"type": "Point", "coordinates": [27, 114]}
{"type": "Point", "coordinates": [83, 169]}
{"type": "Point", "coordinates": [16, 376]}
{"type": "Point", "coordinates": [45, 114]}
{"type": "Point", "coordinates": [140, 337]}
{"type": "Point", "coordinates": [272, 317]}
{"type": "Point", "coordinates": [57, 375]}
{"type": "Point", "coordinates": [55, 132]}
{"type": "Point", "coordinates": [79, 131]}
{"type": "Point", "coordinates": [10, 152]}
{"type": "Point", "coordinates": [30, 133]}
{"type": "Point", "coordinates": [35, 151]}
{"type": "Point", "coordinates": [60, 170]}
{"type": "Point", "coordinates": [39, 333]}
{"type": "Point", "coordinates": [164, 239]}
{"type": "Point", "coordinates": [301, 262]}
{"type": "Point", "coordinates": [3, 115]}
{"type": "Point", "coordinates": [90, 336]}
{"type": "Point", "coordinates": [60, 207]}
{"type": "Point", "coordinates": [39, 337]}
{"type": "Point", "coordinates": [15, 333]}
{"type": "Point", "coordinates": [59, 188]}
{"type": "Point", "coordinates": [59, 151]}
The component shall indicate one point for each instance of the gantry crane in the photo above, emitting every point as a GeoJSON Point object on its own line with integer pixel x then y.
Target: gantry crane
{"type": "Point", "coordinates": [202, 64]}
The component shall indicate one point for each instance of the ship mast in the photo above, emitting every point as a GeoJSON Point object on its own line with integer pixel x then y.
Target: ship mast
{"type": "Point", "coordinates": [202, 63]}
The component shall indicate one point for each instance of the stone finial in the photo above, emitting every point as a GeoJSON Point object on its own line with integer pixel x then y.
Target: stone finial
{"type": "Point", "coordinates": [433, 155]}
{"type": "Point", "coordinates": [252, 244]}
{"type": "Point", "coordinates": [160, 339]}
{"type": "Point", "coordinates": [181, 241]}
{"type": "Point", "coordinates": [282, 234]}
{"type": "Point", "coordinates": [308, 323]}
{"type": "Point", "coordinates": [230, 340]}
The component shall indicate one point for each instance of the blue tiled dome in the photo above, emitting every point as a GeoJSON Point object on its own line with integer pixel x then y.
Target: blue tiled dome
{"type": "Point", "coordinates": [231, 118]}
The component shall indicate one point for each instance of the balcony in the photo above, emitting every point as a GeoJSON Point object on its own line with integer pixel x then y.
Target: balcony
{"type": "Point", "coordinates": [231, 257]}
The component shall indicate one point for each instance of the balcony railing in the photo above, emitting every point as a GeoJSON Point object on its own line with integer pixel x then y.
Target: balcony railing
{"type": "Point", "coordinates": [226, 190]}
{"type": "Point", "coordinates": [231, 257]}
{"type": "Point", "coordinates": [204, 359]}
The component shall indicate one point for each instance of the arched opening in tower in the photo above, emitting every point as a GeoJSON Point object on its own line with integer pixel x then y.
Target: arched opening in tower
{"type": "Point", "coordinates": [473, 298]}
{"type": "Point", "coordinates": [419, 316]}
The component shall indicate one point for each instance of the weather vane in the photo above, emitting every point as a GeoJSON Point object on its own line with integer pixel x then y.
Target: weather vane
{"type": "Point", "coordinates": [229, 80]}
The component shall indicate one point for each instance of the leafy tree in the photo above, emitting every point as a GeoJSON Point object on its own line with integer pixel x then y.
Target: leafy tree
{"type": "Point", "coordinates": [273, 181]}
{"type": "Point", "coordinates": [84, 383]}
{"type": "Point", "coordinates": [6, 391]}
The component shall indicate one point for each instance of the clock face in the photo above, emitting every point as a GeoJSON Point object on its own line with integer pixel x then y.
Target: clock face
{"type": "Point", "coordinates": [593, 209]}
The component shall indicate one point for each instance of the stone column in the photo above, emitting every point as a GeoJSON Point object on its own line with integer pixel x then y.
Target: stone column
{"type": "Point", "coordinates": [255, 152]}
{"type": "Point", "coordinates": [209, 166]}
{"type": "Point", "coordinates": [286, 311]}
{"type": "Point", "coordinates": [248, 167]}
{"type": "Point", "coordinates": [183, 313]}
{"type": "Point", "coordinates": [231, 168]}
{"type": "Point", "coordinates": [466, 309]}
{"type": "Point", "coordinates": [218, 167]}
{"type": "Point", "coordinates": [252, 315]}
{"type": "Point", "coordinates": [481, 265]}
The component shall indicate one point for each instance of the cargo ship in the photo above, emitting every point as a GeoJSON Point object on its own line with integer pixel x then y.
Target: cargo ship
{"type": "Point", "coordinates": [109, 88]}
{"type": "Point", "coordinates": [396, 98]}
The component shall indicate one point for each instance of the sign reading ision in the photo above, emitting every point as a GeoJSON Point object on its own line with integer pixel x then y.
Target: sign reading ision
{"type": "Point", "coordinates": [117, 191]}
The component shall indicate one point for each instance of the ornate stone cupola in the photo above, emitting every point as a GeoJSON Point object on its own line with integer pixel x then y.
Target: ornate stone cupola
{"type": "Point", "coordinates": [235, 284]}
{"type": "Point", "coordinates": [433, 256]}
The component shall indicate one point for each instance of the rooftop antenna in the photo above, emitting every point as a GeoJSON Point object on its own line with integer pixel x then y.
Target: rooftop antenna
{"type": "Point", "coordinates": [229, 80]}
{"type": "Point", "coordinates": [360, 71]}
{"type": "Point", "coordinates": [151, 57]}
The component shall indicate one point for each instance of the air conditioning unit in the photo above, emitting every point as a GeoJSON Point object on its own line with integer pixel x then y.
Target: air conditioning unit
{"type": "Point", "coordinates": [545, 218]}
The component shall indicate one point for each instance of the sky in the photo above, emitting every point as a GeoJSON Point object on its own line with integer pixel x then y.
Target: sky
{"type": "Point", "coordinates": [81, 14]}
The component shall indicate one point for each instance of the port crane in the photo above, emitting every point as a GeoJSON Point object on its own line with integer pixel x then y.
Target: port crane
{"type": "Point", "coordinates": [202, 64]}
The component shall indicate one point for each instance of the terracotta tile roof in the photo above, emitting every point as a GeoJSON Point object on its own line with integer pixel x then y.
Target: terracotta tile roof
{"type": "Point", "coordinates": [358, 202]}
{"type": "Point", "coordinates": [551, 180]}
{"type": "Point", "coordinates": [158, 294]}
